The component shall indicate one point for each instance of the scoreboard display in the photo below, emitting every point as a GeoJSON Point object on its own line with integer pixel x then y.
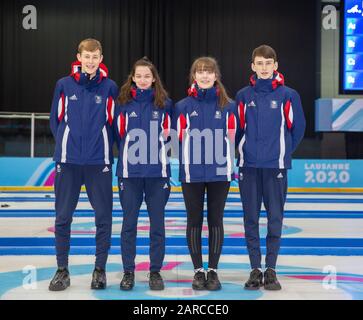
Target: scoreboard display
{"type": "Point", "coordinates": [351, 37]}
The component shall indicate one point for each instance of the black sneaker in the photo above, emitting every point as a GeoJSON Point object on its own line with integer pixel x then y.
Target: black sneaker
{"type": "Point", "coordinates": [270, 280]}
{"type": "Point", "coordinates": [61, 280]}
{"type": "Point", "coordinates": [255, 280]}
{"type": "Point", "coordinates": [156, 281]}
{"type": "Point", "coordinates": [128, 281]}
{"type": "Point", "coordinates": [213, 283]}
{"type": "Point", "coordinates": [98, 279]}
{"type": "Point", "coordinates": [199, 281]}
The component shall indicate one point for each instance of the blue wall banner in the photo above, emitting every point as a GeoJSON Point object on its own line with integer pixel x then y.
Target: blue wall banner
{"type": "Point", "coordinates": [326, 174]}
{"type": "Point", "coordinates": [339, 115]}
{"type": "Point", "coordinates": [305, 173]}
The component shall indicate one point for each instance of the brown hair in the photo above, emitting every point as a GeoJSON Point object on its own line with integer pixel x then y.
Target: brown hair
{"type": "Point", "coordinates": [211, 64]}
{"type": "Point", "coordinates": [89, 45]}
{"type": "Point", "coordinates": [160, 93]}
{"type": "Point", "coordinates": [264, 51]}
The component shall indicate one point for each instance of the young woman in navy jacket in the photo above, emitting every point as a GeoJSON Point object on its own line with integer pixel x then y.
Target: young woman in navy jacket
{"type": "Point", "coordinates": [143, 125]}
{"type": "Point", "coordinates": [206, 125]}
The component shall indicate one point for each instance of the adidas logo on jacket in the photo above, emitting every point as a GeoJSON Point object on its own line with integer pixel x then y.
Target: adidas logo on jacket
{"type": "Point", "coordinates": [211, 157]}
{"type": "Point", "coordinates": [272, 123]}
{"type": "Point", "coordinates": [81, 117]}
{"type": "Point", "coordinates": [143, 158]}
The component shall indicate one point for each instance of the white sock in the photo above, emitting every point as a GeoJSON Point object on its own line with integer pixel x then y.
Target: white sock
{"type": "Point", "coordinates": [199, 270]}
{"type": "Point", "coordinates": [211, 269]}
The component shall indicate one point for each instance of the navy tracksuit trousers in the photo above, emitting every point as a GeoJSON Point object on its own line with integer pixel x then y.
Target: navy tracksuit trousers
{"type": "Point", "coordinates": [69, 179]}
{"type": "Point", "coordinates": [132, 192]}
{"type": "Point", "coordinates": [270, 186]}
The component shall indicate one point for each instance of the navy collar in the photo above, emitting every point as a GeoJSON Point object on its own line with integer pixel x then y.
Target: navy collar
{"type": "Point", "coordinates": [267, 85]}
{"type": "Point", "coordinates": [203, 94]}
{"type": "Point", "coordinates": [83, 78]}
{"type": "Point", "coordinates": [142, 94]}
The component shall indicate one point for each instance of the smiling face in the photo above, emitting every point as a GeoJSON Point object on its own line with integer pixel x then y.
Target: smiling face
{"type": "Point", "coordinates": [90, 61]}
{"type": "Point", "coordinates": [263, 67]}
{"type": "Point", "coordinates": [143, 77]}
{"type": "Point", "coordinates": [205, 78]}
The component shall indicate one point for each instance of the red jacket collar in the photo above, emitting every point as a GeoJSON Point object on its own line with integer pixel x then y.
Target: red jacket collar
{"type": "Point", "coordinates": [76, 67]}
{"type": "Point", "coordinates": [278, 80]}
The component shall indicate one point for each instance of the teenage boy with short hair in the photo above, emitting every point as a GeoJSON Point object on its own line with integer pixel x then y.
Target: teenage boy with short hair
{"type": "Point", "coordinates": [81, 121]}
{"type": "Point", "coordinates": [272, 125]}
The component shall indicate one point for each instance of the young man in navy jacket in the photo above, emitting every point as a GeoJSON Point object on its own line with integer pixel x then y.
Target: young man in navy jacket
{"type": "Point", "coordinates": [81, 121]}
{"type": "Point", "coordinates": [272, 124]}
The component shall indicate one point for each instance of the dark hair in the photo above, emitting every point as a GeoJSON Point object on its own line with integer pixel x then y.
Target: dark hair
{"type": "Point", "coordinates": [160, 93]}
{"type": "Point", "coordinates": [264, 51]}
{"type": "Point", "coordinates": [209, 63]}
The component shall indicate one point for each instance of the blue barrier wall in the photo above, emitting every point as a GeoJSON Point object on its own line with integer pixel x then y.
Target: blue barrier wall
{"type": "Point", "coordinates": [306, 173]}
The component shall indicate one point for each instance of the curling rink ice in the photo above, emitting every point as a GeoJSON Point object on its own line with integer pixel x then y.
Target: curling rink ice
{"type": "Point", "coordinates": [321, 255]}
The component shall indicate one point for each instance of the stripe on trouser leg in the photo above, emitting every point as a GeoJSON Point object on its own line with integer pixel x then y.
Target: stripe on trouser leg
{"type": "Point", "coordinates": [217, 240]}
{"type": "Point", "coordinates": [195, 240]}
{"type": "Point", "coordinates": [192, 239]}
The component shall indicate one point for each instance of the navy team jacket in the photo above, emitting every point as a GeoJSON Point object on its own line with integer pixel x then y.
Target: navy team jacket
{"type": "Point", "coordinates": [143, 133]}
{"type": "Point", "coordinates": [272, 123]}
{"type": "Point", "coordinates": [200, 111]}
{"type": "Point", "coordinates": [81, 117]}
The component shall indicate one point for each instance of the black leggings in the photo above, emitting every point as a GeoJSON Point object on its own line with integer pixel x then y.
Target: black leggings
{"type": "Point", "coordinates": [194, 201]}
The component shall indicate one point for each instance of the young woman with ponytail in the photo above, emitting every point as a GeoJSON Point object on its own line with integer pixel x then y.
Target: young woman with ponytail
{"type": "Point", "coordinates": [206, 124]}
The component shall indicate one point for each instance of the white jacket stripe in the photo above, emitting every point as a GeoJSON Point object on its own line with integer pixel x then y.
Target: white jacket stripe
{"type": "Point", "coordinates": [282, 139]}
{"type": "Point", "coordinates": [186, 151]}
{"type": "Point", "coordinates": [106, 145]}
{"type": "Point", "coordinates": [243, 140]}
{"type": "Point", "coordinates": [125, 173]}
{"type": "Point", "coordinates": [228, 159]}
{"type": "Point", "coordinates": [162, 151]}
{"type": "Point", "coordinates": [64, 144]}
